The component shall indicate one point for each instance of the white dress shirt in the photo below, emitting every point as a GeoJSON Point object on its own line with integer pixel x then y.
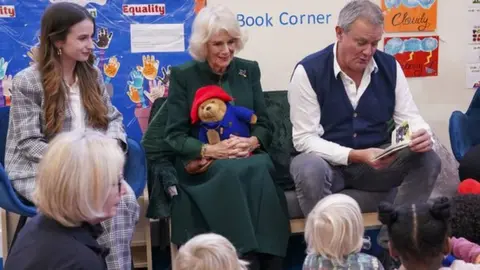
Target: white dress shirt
{"type": "Point", "coordinates": [305, 112]}
{"type": "Point", "coordinates": [76, 104]}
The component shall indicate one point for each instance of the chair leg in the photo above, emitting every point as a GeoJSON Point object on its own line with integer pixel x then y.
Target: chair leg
{"type": "Point", "coordinates": [21, 223]}
{"type": "Point", "coordinates": [173, 247]}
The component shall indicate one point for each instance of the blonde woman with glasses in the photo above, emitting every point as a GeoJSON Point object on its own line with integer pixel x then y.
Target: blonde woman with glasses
{"type": "Point", "coordinates": [78, 185]}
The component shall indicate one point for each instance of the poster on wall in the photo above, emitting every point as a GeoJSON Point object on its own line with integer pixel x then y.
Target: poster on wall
{"type": "Point", "coordinates": [136, 43]}
{"type": "Point", "coordinates": [418, 56]}
{"type": "Point", "coordinates": [473, 76]}
{"type": "Point", "coordinates": [410, 15]}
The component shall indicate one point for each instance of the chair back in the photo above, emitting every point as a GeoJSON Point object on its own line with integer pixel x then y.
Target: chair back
{"type": "Point", "coordinates": [8, 197]}
{"type": "Point", "coordinates": [135, 170]}
{"type": "Point", "coordinates": [9, 200]}
{"type": "Point", "coordinates": [473, 115]}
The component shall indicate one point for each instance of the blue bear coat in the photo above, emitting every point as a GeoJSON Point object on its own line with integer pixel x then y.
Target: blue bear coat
{"type": "Point", "coordinates": [235, 121]}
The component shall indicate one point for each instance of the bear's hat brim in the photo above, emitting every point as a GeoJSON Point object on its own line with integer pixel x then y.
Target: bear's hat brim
{"type": "Point", "coordinates": [204, 93]}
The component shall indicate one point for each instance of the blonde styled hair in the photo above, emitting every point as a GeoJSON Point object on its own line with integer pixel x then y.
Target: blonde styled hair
{"type": "Point", "coordinates": [210, 21]}
{"type": "Point", "coordinates": [334, 228]}
{"type": "Point", "coordinates": [76, 175]}
{"type": "Point", "coordinates": [207, 252]}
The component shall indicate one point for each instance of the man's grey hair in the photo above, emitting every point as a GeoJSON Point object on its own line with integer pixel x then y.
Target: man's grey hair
{"type": "Point", "coordinates": [364, 9]}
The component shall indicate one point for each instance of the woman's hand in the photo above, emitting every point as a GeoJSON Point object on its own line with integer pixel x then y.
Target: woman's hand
{"type": "Point", "coordinates": [220, 150]}
{"type": "Point", "coordinates": [242, 147]}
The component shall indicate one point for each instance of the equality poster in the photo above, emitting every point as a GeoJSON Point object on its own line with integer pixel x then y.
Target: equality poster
{"type": "Point", "coordinates": [136, 43]}
{"type": "Point", "coordinates": [410, 15]}
{"type": "Point", "coordinates": [418, 56]}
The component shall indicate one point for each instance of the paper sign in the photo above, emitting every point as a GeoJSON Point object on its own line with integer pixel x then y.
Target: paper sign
{"type": "Point", "coordinates": [81, 2]}
{"type": "Point", "coordinates": [473, 54]}
{"type": "Point", "coordinates": [410, 15]}
{"type": "Point", "coordinates": [157, 38]}
{"type": "Point", "coordinates": [418, 56]}
{"type": "Point", "coordinates": [473, 76]}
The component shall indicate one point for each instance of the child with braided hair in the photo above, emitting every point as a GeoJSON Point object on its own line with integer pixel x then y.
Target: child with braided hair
{"type": "Point", "coordinates": [419, 236]}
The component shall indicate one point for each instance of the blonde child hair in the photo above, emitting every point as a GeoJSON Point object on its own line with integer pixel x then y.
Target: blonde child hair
{"type": "Point", "coordinates": [334, 228]}
{"type": "Point", "coordinates": [207, 252]}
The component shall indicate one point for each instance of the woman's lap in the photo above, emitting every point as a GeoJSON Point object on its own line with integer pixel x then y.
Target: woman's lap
{"type": "Point", "coordinates": [235, 198]}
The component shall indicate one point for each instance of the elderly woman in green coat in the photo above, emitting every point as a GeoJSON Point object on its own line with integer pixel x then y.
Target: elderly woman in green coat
{"type": "Point", "coordinates": [236, 196]}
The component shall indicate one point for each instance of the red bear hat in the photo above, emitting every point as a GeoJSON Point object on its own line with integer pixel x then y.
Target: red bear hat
{"type": "Point", "coordinates": [469, 186]}
{"type": "Point", "coordinates": [204, 93]}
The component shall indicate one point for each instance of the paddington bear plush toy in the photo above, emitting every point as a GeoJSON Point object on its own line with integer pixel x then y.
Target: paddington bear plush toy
{"type": "Point", "coordinates": [218, 119]}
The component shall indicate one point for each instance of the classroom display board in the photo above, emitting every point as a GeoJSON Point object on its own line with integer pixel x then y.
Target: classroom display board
{"type": "Point", "coordinates": [136, 43]}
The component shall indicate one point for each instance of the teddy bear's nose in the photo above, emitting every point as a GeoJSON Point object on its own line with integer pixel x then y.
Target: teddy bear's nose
{"type": "Point", "coordinates": [208, 108]}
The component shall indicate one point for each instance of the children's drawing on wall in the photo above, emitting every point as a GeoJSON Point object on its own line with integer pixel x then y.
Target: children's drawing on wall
{"type": "Point", "coordinates": [418, 56]}
{"type": "Point", "coordinates": [199, 4]}
{"type": "Point", "coordinates": [5, 84]}
{"type": "Point", "coordinates": [157, 87]}
{"type": "Point", "coordinates": [410, 15]}
{"type": "Point", "coordinates": [133, 80]}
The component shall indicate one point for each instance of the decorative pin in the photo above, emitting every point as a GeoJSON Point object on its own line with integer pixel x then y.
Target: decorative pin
{"type": "Point", "coordinates": [243, 73]}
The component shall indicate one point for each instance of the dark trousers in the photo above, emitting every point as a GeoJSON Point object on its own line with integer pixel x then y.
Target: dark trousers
{"type": "Point", "coordinates": [262, 261]}
{"type": "Point", "coordinates": [470, 164]}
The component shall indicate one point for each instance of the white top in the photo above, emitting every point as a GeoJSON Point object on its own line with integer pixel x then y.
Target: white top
{"type": "Point", "coordinates": [78, 112]}
{"type": "Point", "coordinates": [305, 111]}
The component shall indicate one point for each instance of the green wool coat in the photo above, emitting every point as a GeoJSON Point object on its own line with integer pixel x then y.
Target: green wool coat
{"type": "Point", "coordinates": [236, 198]}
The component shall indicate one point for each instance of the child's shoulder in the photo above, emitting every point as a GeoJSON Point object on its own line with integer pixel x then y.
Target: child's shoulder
{"type": "Point", "coordinates": [354, 261]}
{"type": "Point", "coordinates": [366, 259]}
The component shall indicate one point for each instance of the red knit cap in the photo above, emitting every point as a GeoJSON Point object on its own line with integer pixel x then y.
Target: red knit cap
{"type": "Point", "coordinates": [204, 93]}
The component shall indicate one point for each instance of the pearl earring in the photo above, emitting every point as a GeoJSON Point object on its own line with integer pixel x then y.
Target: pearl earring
{"type": "Point", "coordinates": [59, 51]}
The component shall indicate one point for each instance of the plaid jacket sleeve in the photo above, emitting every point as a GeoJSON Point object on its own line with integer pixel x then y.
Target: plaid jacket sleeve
{"type": "Point", "coordinates": [115, 126]}
{"type": "Point", "coordinates": [25, 115]}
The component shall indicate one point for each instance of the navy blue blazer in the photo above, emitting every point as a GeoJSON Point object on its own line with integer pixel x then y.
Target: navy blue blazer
{"type": "Point", "coordinates": [43, 243]}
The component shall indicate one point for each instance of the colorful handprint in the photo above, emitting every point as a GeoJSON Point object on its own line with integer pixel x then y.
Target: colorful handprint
{"type": "Point", "coordinates": [103, 38]}
{"type": "Point", "coordinates": [33, 54]}
{"type": "Point", "coordinates": [7, 87]}
{"type": "Point", "coordinates": [3, 68]}
{"type": "Point", "coordinates": [199, 4]}
{"type": "Point", "coordinates": [133, 94]}
{"type": "Point", "coordinates": [156, 90]}
{"type": "Point", "coordinates": [165, 78]}
{"type": "Point", "coordinates": [112, 67]}
{"type": "Point", "coordinates": [136, 88]}
{"type": "Point", "coordinates": [149, 68]}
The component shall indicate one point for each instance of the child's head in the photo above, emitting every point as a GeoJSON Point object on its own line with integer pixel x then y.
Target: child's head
{"type": "Point", "coordinates": [465, 220]}
{"type": "Point", "coordinates": [418, 233]}
{"type": "Point", "coordinates": [208, 251]}
{"type": "Point", "coordinates": [334, 228]}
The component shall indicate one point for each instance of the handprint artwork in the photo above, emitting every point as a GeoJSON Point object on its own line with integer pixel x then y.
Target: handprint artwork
{"type": "Point", "coordinates": [156, 90]}
{"type": "Point", "coordinates": [5, 81]}
{"type": "Point", "coordinates": [150, 67]}
{"type": "Point", "coordinates": [3, 68]}
{"type": "Point", "coordinates": [111, 68]}
{"type": "Point", "coordinates": [7, 88]}
{"type": "Point", "coordinates": [135, 88]}
{"type": "Point", "coordinates": [32, 54]}
{"type": "Point", "coordinates": [199, 4]}
{"type": "Point", "coordinates": [103, 38]}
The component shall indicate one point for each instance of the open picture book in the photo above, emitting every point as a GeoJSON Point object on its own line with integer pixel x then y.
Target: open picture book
{"type": "Point", "coordinates": [401, 137]}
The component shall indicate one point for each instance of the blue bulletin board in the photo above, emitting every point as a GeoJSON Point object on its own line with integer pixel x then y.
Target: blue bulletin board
{"type": "Point", "coordinates": [136, 42]}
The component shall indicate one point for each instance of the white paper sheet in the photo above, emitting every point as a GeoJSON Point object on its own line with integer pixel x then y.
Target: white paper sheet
{"type": "Point", "coordinates": [473, 75]}
{"type": "Point", "coordinates": [145, 38]}
{"type": "Point", "coordinates": [473, 54]}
